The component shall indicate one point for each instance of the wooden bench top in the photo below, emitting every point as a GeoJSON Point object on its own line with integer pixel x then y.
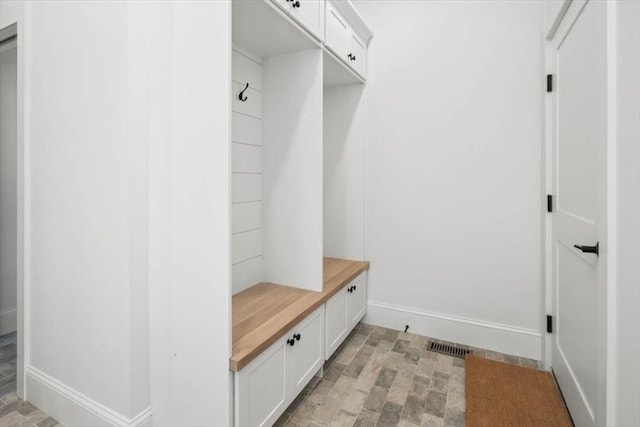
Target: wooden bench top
{"type": "Point", "coordinates": [265, 312]}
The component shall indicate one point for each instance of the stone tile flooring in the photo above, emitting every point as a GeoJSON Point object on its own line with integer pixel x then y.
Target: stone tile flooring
{"type": "Point", "coordinates": [15, 412]}
{"type": "Point", "coordinates": [386, 378]}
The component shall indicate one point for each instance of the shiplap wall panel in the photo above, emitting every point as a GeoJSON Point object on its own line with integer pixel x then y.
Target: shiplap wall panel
{"type": "Point", "coordinates": [246, 245]}
{"type": "Point", "coordinates": [246, 70]}
{"type": "Point", "coordinates": [246, 166]}
{"type": "Point", "coordinates": [246, 216]}
{"type": "Point", "coordinates": [246, 274]}
{"type": "Point", "coordinates": [246, 129]}
{"type": "Point", "coordinates": [247, 187]}
{"type": "Point", "coordinates": [246, 158]}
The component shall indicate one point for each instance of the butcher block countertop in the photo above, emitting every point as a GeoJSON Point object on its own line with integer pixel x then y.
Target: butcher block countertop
{"type": "Point", "coordinates": [265, 312]}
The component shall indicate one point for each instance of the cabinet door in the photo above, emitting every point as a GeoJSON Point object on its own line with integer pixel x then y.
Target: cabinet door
{"type": "Point", "coordinates": [336, 32]}
{"type": "Point", "coordinates": [309, 14]}
{"type": "Point", "coordinates": [306, 356]}
{"type": "Point", "coordinates": [336, 321]}
{"type": "Point", "coordinates": [357, 300]}
{"type": "Point", "coordinates": [358, 51]}
{"type": "Point", "coordinates": [261, 388]}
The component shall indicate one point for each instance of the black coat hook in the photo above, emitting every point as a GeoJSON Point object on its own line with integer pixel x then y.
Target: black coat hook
{"type": "Point", "coordinates": [240, 96]}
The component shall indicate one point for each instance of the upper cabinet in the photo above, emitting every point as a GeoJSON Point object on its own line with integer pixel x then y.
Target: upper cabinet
{"type": "Point", "coordinates": [357, 54]}
{"type": "Point", "coordinates": [336, 32]}
{"type": "Point", "coordinates": [337, 25]}
{"type": "Point", "coordinates": [345, 36]}
{"type": "Point", "coordinates": [308, 13]}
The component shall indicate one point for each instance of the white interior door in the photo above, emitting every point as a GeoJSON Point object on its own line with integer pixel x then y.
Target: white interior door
{"type": "Point", "coordinates": [579, 288]}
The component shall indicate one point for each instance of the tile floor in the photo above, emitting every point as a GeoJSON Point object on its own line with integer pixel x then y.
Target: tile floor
{"type": "Point", "coordinates": [377, 377]}
{"type": "Point", "coordinates": [15, 412]}
{"type": "Point", "coordinates": [386, 378]}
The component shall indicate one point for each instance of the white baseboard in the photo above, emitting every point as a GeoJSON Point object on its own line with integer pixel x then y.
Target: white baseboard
{"type": "Point", "coordinates": [8, 320]}
{"type": "Point", "coordinates": [72, 408]}
{"type": "Point", "coordinates": [492, 336]}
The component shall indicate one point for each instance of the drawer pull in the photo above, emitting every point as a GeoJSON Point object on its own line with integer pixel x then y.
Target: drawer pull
{"type": "Point", "coordinates": [296, 4]}
{"type": "Point", "coordinates": [291, 342]}
{"type": "Point", "coordinates": [241, 96]}
{"type": "Point", "coordinates": [297, 337]}
{"type": "Point", "coordinates": [355, 287]}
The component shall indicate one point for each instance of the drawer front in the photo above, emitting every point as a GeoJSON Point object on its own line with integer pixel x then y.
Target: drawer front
{"type": "Point", "coordinates": [337, 322]}
{"type": "Point", "coordinates": [261, 388]}
{"type": "Point", "coordinates": [336, 32]}
{"type": "Point", "coordinates": [358, 51]}
{"type": "Point", "coordinates": [309, 14]}
{"type": "Point", "coordinates": [306, 356]}
{"type": "Point", "coordinates": [357, 300]}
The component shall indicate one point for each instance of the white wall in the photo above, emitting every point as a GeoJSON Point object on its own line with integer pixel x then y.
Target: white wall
{"type": "Point", "coordinates": [454, 182]}
{"type": "Point", "coordinates": [87, 263]}
{"type": "Point", "coordinates": [8, 187]}
{"type": "Point", "coordinates": [246, 168]}
{"type": "Point", "coordinates": [127, 249]}
{"type": "Point", "coordinates": [626, 350]}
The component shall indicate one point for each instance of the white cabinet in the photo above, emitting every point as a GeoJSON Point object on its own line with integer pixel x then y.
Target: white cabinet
{"type": "Point", "coordinates": [306, 356]}
{"type": "Point", "coordinates": [261, 387]}
{"type": "Point", "coordinates": [357, 54]}
{"type": "Point", "coordinates": [336, 35]}
{"type": "Point", "coordinates": [337, 321]}
{"type": "Point", "coordinates": [308, 13]}
{"type": "Point", "coordinates": [266, 386]}
{"type": "Point", "coordinates": [357, 291]}
{"type": "Point", "coordinates": [343, 311]}
{"type": "Point", "coordinates": [344, 41]}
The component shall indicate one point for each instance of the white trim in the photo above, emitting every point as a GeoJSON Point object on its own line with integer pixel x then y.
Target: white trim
{"type": "Point", "coordinates": [478, 333]}
{"type": "Point", "coordinates": [71, 407]}
{"type": "Point", "coordinates": [611, 215]}
{"type": "Point", "coordinates": [8, 320]}
{"type": "Point", "coordinates": [559, 18]}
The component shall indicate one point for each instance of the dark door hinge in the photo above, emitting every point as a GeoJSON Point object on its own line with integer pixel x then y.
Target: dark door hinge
{"type": "Point", "coordinates": [549, 82]}
{"type": "Point", "coordinates": [549, 324]}
{"type": "Point", "coordinates": [549, 203]}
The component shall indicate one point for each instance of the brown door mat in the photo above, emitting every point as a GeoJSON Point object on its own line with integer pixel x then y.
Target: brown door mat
{"type": "Point", "coordinates": [498, 394]}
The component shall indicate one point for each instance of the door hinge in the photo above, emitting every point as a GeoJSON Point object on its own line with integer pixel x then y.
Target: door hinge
{"type": "Point", "coordinates": [549, 324]}
{"type": "Point", "coordinates": [549, 82]}
{"type": "Point", "coordinates": [549, 203]}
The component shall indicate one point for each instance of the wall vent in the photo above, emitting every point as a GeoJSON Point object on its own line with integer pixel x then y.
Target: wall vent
{"type": "Point", "coordinates": [448, 349]}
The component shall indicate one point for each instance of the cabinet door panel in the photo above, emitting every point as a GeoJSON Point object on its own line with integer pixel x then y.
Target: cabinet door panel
{"type": "Point", "coordinates": [358, 50]}
{"type": "Point", "coordinates": [305, 358]}
{"type": "Point", "coordinates": [309, 13]}
{"type": "Point", "coordinates": [357, 300]}
{"type": "Point", "coordinates": [337, 321]}
{"type": "Point", "coordinates": [336, 32]}
{"type": "Point", "coordinates": [261, 388]}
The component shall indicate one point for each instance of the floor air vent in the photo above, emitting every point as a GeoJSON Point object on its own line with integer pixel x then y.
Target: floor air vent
{"type": "Point", "coordinates": [448, 349]}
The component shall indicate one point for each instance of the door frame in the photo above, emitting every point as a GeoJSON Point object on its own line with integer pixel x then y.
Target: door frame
{"type": "Point", "coordinates": [8, 32]}
{"type": "Point", "coordinates": [565, 18]}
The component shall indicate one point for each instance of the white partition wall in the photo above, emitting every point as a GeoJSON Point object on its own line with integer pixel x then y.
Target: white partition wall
{"type": "Point", "coordinates": [344, 171]}
{"type": "Point", "coordinates": [292, 163]}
